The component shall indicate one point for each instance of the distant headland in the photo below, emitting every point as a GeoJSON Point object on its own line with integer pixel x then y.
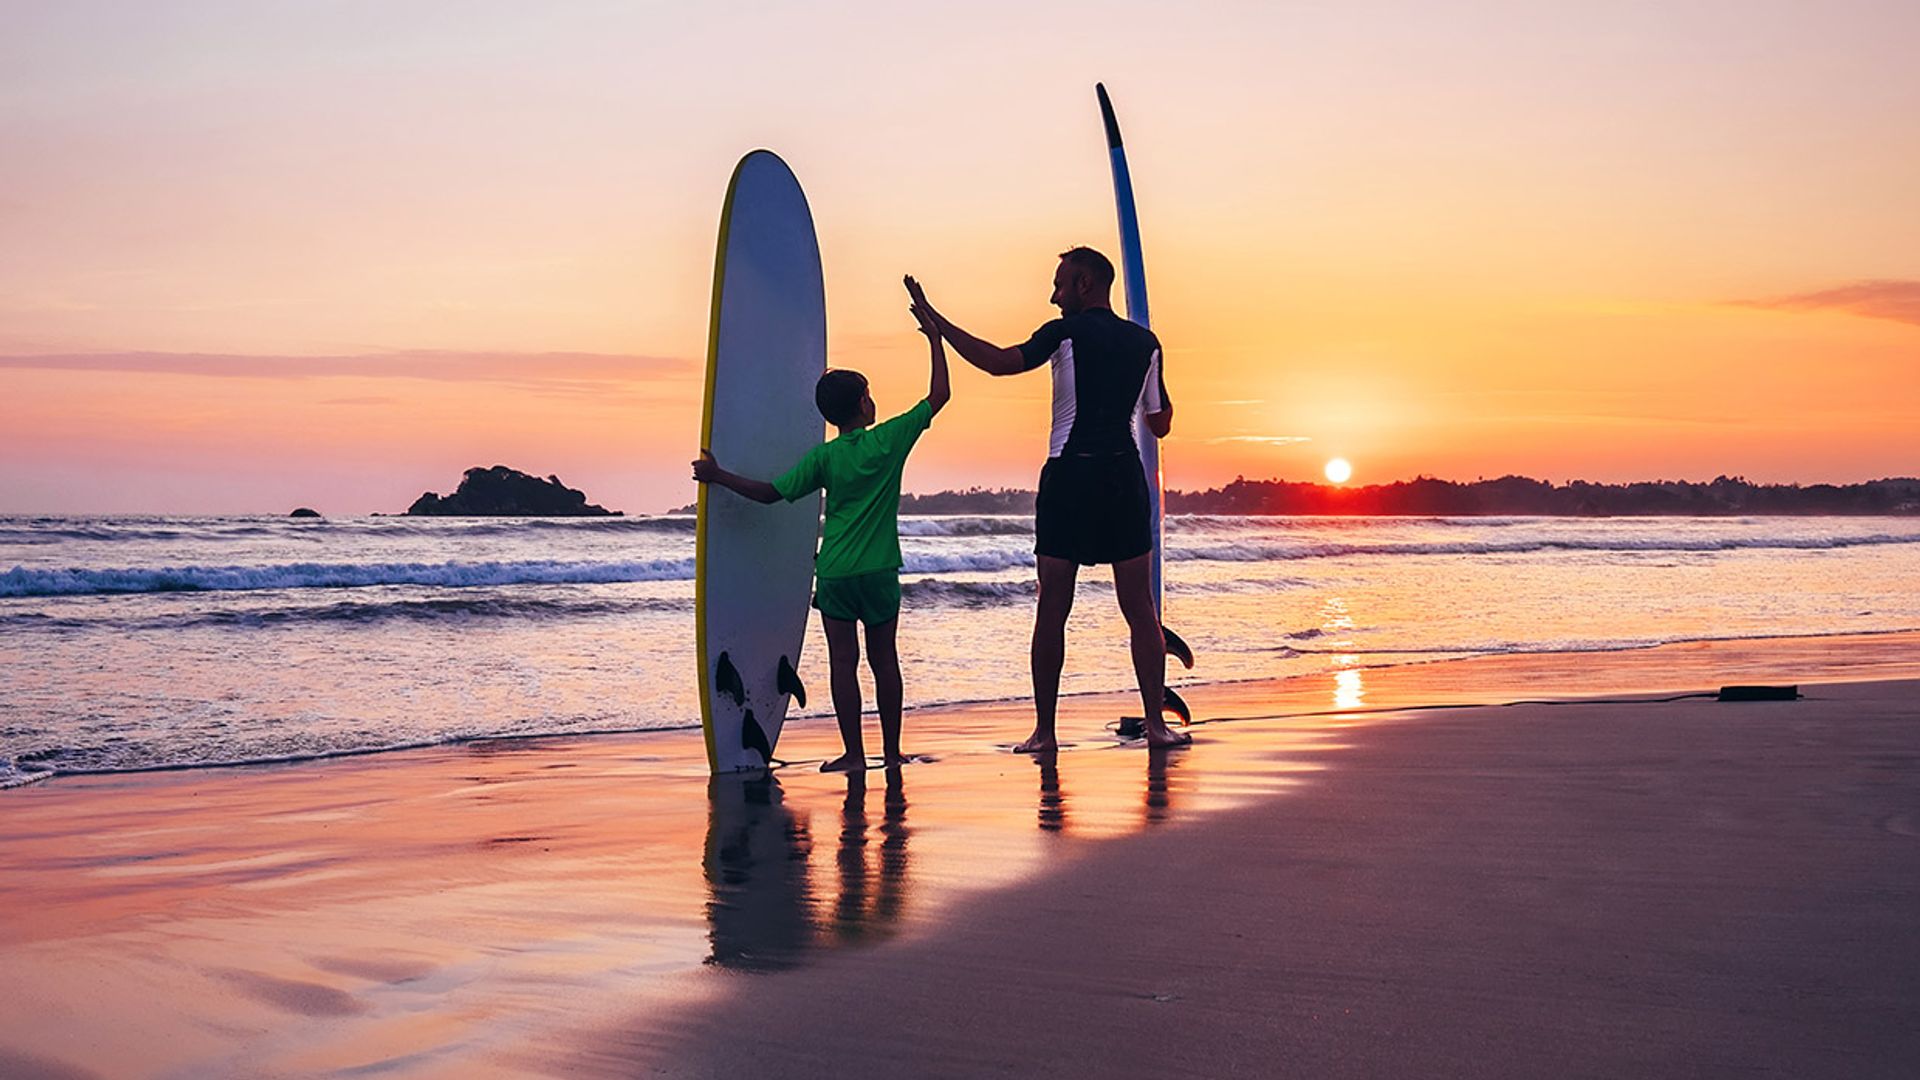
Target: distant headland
{"type": "Point", "coordinates": [503, 492]}
{"type": "Point", "coordinates": [1517, 496]}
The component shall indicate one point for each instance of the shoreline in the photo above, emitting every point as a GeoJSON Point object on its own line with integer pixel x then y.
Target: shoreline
{"type": "Point", "coordinates": [1285, 687]}
{"type": "Point", "coordinates": [446, 911]}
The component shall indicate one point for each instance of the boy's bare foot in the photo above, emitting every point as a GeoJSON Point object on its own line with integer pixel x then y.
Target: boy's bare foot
{"type": "Point", "coordinates": [1038, 743]}
{"type": "Point", "coordinates": [1164, 736]}
{"type": "Point", "coordinates": [846, 763]}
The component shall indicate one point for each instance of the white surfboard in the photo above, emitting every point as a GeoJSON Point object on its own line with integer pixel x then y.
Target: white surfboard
{"type": "Point", "coordinates": [766, 347]}
{"type": "Point", "coordinates": [1133, 271]}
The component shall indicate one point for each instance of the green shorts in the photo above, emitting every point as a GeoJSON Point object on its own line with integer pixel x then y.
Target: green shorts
{"type": "Point", "coordinates": [873, 598]}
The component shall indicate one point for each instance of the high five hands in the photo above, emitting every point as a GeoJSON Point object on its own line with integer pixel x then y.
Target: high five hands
{"type": "Point", "coordinates": [922, 311]}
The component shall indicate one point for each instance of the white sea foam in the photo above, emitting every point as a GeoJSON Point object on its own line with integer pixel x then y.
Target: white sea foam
{"type": "Point", "coordinates": [966, 526]}
{"type": "Point", "coordinates": [21, 581]}
{"type": "Point", "coordinates": [41, 581]}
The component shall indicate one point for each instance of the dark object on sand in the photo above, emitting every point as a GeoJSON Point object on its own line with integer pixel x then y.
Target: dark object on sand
{"type": "Point", "coordinates": [504, 492]}
{"type": "Point", "coordinates": [1759, 693]}
{"type": "Point", "coordinates": [305, 512]}
{"type": "Point", "coordinates": [1133, 727]}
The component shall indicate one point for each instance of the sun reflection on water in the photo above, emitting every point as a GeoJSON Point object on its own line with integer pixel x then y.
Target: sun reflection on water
{"type": "Point", "coordinates": [1348, 692]}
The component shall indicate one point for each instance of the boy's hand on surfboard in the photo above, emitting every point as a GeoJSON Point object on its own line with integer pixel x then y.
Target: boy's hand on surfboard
{"type": "Point", "coordinates": [705, 469]}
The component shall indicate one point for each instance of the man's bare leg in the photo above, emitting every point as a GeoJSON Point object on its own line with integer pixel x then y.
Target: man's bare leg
{"type": "Point", "coordinates": [1049, 648]}
{"type": "Point", "coordinates": [884, 659]}
{"type": "Point", "coordinates": [1133, 584]}
{"type": "Point", "coordinates": [843, 660]}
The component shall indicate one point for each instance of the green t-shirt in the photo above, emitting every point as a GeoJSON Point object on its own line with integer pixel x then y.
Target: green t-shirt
{"type": "Point", "coordinates": [861, 472]}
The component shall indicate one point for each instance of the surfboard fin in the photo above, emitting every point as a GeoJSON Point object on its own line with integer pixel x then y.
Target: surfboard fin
{"type": "Point", "coordinates": [1177, 646]}
{"type": "Point", "coordinates": [726, 679]}
{"type": "Point", "coordinates": [787, 681]}
{"type": "Point", "coordinates": [753, 737]}
{"type": "Point", "coordinates": [1176, 705]}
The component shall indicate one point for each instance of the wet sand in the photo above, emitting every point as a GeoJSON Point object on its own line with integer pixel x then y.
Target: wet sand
{"type": "Point", "coordinates": [1692, 888]}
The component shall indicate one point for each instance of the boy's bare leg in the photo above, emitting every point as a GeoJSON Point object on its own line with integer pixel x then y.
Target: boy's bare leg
{"type": "Point", "coordinates": [887, 685]}
{"type": "Point", "coordinates": [1133, 583]}
{"type": "Point", "coordinates": [1049, 648]}
{"type": "Point", "coordinates": [843, 658]}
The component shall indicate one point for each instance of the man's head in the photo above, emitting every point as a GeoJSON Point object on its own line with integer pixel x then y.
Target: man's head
{"type": "Point", "coordinates": [843, 399]}
{"type": "Point", "coordinates": [1084, 279]}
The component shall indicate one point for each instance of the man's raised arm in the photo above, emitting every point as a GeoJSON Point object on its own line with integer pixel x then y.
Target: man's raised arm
{"type": "Point", "coordinates": [984, 355]}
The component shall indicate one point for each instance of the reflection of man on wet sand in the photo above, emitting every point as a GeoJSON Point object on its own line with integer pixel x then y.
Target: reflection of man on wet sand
{"type": "Point", "coordinates": [1093, 504]}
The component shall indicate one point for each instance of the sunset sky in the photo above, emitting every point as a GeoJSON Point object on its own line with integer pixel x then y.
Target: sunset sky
{"type": "Point", "coordinates": [260, 255]}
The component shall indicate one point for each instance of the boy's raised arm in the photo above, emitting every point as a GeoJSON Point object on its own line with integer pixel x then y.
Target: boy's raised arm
{"type": "Point", "coordinates": [984, 355]}
{"type": "Point", "coordinates": [708, 471]}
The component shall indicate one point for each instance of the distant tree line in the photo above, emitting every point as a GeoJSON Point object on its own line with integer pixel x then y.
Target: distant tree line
{"type": "Point", "coordinates": [973, 500]}
{"type": "Point", "coordinates": [1508, 495]}
{"type": "Point", "coordinates": [1520, 495]}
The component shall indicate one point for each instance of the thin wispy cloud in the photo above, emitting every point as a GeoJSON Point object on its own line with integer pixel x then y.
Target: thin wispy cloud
{"type": "Point", "coordinates": [1882, 299]}
{"type": "Point", "coordinates": [1264, 440]}
{"type": "Point", "coordinates": [554, 372]}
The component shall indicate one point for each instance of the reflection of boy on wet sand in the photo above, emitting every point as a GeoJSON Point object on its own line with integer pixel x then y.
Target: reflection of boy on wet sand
{"type": "Point", "coordinates": [857, 571]}
{"type": "Point", "coordinates": [871, 897]}
{"type": "Point", "coordinates": [767, 902]}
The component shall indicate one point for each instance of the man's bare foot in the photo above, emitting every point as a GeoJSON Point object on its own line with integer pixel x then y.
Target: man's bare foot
{"type": "Point", "coordinates": [1161, 737]}
{"type": "Point", "coordinates": [846, 763]}
{"type": "Point", "coordinates": [896, 759]}
{"type": "Point", "coordinates": [1038, 744]}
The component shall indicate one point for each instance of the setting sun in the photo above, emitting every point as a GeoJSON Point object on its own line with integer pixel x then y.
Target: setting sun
{"type": "Point", "coordinates": [1338, 471]}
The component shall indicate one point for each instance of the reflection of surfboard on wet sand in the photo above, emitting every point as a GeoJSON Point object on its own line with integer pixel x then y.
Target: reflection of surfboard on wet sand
{"type": "Point", "coordinates": [766, 347]}
{"type": "Point", "coordinates": [1134, 274]}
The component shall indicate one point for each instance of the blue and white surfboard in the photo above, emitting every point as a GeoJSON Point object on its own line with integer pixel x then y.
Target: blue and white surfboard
{"type": "Point", "coordinates": [1133, 273]}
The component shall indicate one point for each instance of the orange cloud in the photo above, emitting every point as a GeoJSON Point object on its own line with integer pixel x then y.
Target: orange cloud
{"type": "Point", "coordinates": [550, 371]}
{"type": "Point", "coordinates": [1883, 299]}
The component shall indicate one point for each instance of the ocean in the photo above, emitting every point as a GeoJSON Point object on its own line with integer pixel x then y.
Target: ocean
{"type": "Point", "coordinates": [134, 643]}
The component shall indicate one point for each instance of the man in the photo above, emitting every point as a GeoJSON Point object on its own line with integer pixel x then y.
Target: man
{"type": "Point", "coordinates": [1093, 501]}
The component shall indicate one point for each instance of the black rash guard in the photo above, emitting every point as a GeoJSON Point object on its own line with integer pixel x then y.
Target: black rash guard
{"type": "Point", "coordinates": [1103, 368]}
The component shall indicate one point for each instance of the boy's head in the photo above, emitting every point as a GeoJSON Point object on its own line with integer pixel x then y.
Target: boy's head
{"type": "Point", "coordinates": [843, 399]}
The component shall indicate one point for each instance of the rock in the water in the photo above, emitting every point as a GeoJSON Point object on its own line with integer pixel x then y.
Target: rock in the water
{"type": "Point", "coordinates": [504, 492]}
{"type": "Point", "coordinates": [305, 511]}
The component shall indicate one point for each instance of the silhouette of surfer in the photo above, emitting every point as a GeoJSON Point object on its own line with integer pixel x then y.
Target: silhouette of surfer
{"type": "Point", "coordinates": [1093, 505]}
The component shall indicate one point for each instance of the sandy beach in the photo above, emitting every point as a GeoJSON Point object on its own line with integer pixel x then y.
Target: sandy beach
{"type": "Point", "coordinates": [1339, 884]}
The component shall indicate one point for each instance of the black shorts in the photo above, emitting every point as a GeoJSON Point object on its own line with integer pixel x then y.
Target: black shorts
{"type": "Point", "coordinates": [1093, 509]}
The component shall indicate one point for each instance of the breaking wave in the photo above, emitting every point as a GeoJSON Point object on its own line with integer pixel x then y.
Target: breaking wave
{"type": "Point", "coordinates": [21, 581]}
{"type": "Point", "coordinates": [926, 556]}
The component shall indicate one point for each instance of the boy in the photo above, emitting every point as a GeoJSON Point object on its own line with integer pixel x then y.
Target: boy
{"type": "Point", "coordinates": [857, 571]}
